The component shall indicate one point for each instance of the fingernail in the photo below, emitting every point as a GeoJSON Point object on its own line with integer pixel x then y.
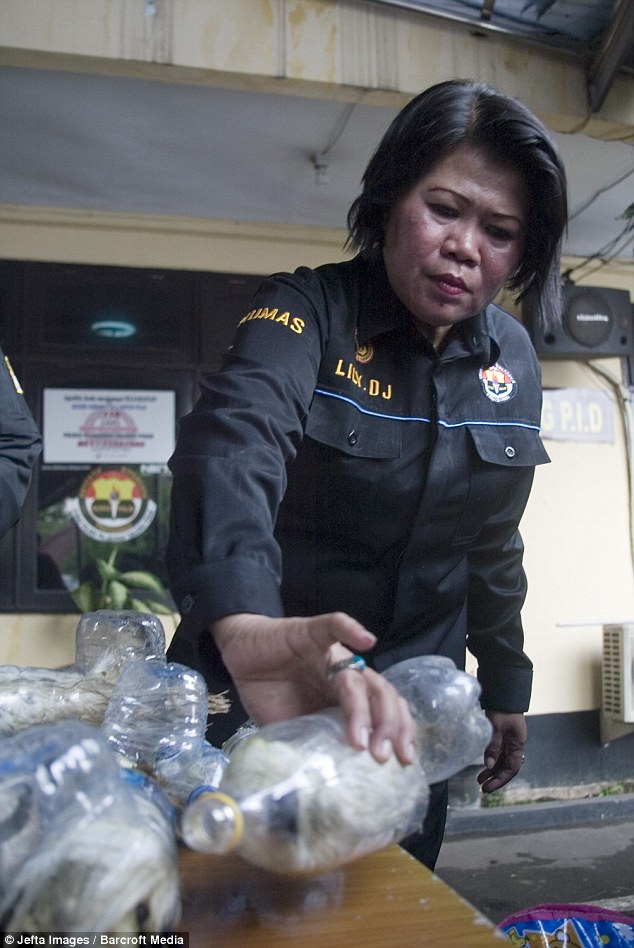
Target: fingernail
{"type": "Point", "coordinates": [385, 749]}
{"type": "Point", "coordinates": [364, 738]}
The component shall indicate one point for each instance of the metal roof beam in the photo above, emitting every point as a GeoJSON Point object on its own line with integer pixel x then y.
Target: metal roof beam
{"type": "Point", "coordinates": [487, 10]}
{"type": "Point", "coordinates": [616, 45]}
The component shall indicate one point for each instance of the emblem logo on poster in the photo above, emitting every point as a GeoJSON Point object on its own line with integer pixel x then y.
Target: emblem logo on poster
{"type": "Point", "coordinates": [113, 505]}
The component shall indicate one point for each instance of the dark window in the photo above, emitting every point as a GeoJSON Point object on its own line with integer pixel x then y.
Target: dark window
{"type": "Point", "coordinates": [118, 336]}
{"type": "Point", "coordinates": [146, 315]}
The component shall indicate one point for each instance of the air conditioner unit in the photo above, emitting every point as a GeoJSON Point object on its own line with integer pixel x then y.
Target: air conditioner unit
{"type": "Point", "coordinates": [617, 709]}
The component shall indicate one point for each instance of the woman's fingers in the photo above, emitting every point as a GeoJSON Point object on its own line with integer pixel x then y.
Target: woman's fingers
{"type": "Point", "coordinates": [284, 667]}
{"type": "Point", "coordinates": [377, 717]}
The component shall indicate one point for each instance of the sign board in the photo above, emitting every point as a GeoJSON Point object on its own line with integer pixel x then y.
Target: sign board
{"type": "Point", "coordinates": [578, 414]}
{"type": "Point", "coordinates": [106, 426]}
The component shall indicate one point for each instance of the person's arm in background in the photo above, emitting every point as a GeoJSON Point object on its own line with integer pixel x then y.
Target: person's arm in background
{"type": "Point", "coordinates": [20, 446]}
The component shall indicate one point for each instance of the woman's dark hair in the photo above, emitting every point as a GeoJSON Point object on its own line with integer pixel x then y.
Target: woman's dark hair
{"type": "Point", "coordinates": [462, 112]}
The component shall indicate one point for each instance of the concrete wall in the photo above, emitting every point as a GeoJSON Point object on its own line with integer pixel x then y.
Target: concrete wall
{"type": "Point", "coordinates": [348, 49]}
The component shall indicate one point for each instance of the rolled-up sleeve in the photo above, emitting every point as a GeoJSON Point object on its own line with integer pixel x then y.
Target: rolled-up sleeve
{"type": "Point", "coordinates": [497, 589]}
{"type": "Point", "coordinates": [229, 466]}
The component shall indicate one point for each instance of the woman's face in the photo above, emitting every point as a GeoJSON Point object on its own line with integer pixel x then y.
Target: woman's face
{"type": "Point", "coordinates": [452, 240]}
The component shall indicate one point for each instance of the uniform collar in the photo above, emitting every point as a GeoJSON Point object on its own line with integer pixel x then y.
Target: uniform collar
{"type": "Point", "coordinates": [475, 338]}
{"type": "Point", "coordinates": [380, 310]}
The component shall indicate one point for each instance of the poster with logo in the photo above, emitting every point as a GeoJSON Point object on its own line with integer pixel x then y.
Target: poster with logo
{"type": "Point", "coordinates": [108, 426]}
{"type": "Point", "coordinates": [113, 505]}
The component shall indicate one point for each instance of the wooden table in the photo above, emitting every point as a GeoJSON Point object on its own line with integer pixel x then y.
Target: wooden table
{"type": "Point", "coordinates": [386, 900]}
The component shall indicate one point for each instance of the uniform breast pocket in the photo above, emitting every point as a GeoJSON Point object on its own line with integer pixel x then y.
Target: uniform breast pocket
{"type": "Point", "coordinates": [500, 454]}
{"type": "Point", "coordinates": [338, 422]}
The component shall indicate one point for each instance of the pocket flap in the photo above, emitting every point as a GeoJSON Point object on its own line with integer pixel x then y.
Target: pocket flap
{"type": "Point", "coordinates": [338, 422]}
{"type": "Point", "coordinates": [509, 445]}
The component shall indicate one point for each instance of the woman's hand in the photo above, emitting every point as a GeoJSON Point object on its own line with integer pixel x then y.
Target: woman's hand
{"type": "Point", "coordinates": [505, 752]}
{"type": "Point", "coordinates": [280, 668]}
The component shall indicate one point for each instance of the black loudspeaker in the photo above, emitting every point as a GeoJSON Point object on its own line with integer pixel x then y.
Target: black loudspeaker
{"type": "Point", "coordinates": [596, 322]}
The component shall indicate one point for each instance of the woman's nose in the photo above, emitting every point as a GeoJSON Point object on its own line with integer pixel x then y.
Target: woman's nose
{"type": "Point", "coordinates": [462, 243]}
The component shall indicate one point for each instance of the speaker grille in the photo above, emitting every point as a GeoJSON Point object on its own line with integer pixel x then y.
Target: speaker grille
{"type": "Point", "coordinates": [595, 322]}
{"type": "Point", "coordinates": [588, 318]}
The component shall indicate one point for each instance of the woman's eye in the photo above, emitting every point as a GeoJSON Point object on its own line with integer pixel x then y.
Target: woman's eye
{"type": "Point", "coordinates": [500, 233]}
{"type": "Point", "coordinates": [443, 210]}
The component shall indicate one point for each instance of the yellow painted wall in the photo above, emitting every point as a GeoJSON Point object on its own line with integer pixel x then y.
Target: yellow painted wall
{"type": "Point", "coordinates": [60, 235]}
{"type": "Point", "coordinates": [578, 556]}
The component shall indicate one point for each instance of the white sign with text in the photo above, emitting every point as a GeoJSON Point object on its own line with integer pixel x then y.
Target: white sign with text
{"type": "Point", "coordinates": [578, 414]}
{"type": "Point", "coordinates": [97, 426]}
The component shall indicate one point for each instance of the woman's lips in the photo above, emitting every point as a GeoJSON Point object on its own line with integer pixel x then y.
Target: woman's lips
{"type": "Point", "coordinates": [451, 285]}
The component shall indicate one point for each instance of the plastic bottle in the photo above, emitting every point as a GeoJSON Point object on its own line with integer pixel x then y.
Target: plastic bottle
{"type": "Point", "coordinates": [104, 642]}
{"type": "Point", "coordinates": [452, 729]}
{"type": "Point", "coordinates": [157, 711]}
{"type": "Point", "coordinates": [107, 639]}
{"type": "Point", "coordinates": [81, 847]}
{"type": "Point", "coordinates": [193, 773]}
{"type": "Point", "coordinates": [297, 799]}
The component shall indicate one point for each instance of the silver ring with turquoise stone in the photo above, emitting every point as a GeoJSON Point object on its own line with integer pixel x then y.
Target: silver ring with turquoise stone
{"type": "Point", "coordinates": [354, 663]}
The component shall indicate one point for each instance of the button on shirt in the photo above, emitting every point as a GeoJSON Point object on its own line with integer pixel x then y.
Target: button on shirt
{"type": "Point", "coordinates": [337, 462]}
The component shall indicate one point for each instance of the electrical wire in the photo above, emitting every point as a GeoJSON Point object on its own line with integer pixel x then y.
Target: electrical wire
{"type": "Point", "coordinates": [607, 253]}
{"type": "Point", "coordinates": [339, 128]}
{"type": "Point", "coordinates": [625, 397]}
{"type": "Point", "coordinates": [610, 250]}
{"type": "Point", "coordinates": [607, 260]}
{"type": "Point", "coordinates": [319, 158]}
{"type": "Point", "coordinates": [597, 194]}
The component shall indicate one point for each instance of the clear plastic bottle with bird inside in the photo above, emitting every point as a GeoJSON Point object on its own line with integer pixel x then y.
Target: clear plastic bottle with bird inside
{"type": "Point", "coordinates": [81, 847]}
{"type": "Point", "coordinates": [297, 799]}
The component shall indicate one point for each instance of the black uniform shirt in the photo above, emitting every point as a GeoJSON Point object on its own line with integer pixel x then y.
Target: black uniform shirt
{"type": "Point", "coordinates": [337, 462]}
{"type": "Point", "coordinates": [20, 446]}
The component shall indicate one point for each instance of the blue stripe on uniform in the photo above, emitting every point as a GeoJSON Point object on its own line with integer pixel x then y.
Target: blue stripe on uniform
{"type": "Point", "coordinates": [444, 424]}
